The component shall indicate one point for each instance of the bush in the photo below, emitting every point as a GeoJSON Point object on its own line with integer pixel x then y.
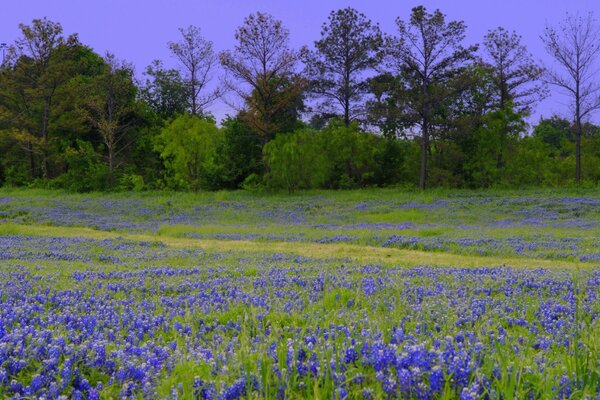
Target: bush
{"type": "Point", "coordinates": [296, 161]}
{"type": "Point", "coordinates": [188, 147]}
{"type": "Point", "coordinates": [85, 170]}
{"type": "Point", "coordinates": [352, 154]}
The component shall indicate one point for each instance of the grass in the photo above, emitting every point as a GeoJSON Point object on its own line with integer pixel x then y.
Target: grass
{"type": "Point", "coordinates": [250, 278]}
{"type": "Point", "coordinates": [358, 253]}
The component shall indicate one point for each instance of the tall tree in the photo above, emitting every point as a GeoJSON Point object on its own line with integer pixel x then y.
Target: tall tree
{"type": "Point", "coordinates": [428, 54]}
{"type": "Point", "coordinates": [264, 64]}
{"type": "Point", "coordinates": [42, 61]}
{"type": "Point", "coordinates": [516, 76]}
{"type": "Point", "coordinates": [109, 106]}
{"type": "Point", "coordinates": [350, 46]}
{"type": "Point", "coordinates": [574, 46]}
{"type": "Point", "coordinates": [199, 61]}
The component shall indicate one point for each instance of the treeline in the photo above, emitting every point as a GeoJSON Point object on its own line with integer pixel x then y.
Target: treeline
{"type": "Point", "coordinates": [360, 108]}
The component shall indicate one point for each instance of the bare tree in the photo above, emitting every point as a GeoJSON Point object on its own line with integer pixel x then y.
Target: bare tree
{"type": "Point", "coordinates": [197, 57]}
{"type": "Point", "coordinates": [264, 65]}
{"type": "Point", "coordinates": [516, 77]}
{"type": "Point", "coordinates": [575, 46]}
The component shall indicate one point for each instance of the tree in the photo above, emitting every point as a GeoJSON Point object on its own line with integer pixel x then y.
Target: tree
{"type": "Point", "coordinates": [198, 60]}
{"type": "Point", "coordinates": [109, 106]}
{"type": "Point", "coordinates": [429, 56]}
{"type": "Point", "coordinates": [42, 61]}
{"type": "Point", "coordinates": [240, 153]}
{"type": "Point", "coordinates": [164, 90]}
{"type": "Point", "coordinates": [296, 161]}
{"type": "Point", "coordinates": [491, 144]}
{"type": "Point", "coordinates": [515, 74]}
{"type": "Point", "coordinates": [264, 65]}
{"type": "Point", "coordinates": [350, 46]}
{"type": "Point", "coordinates": [574, 45]}
{"type": "Point", "coordinates": [553, 131]}
{"type": "Point", "coordinates": [188, 147]}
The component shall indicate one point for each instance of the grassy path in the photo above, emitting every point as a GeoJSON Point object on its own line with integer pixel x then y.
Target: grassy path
{"type": "Point", "coordinates": [360, 253]}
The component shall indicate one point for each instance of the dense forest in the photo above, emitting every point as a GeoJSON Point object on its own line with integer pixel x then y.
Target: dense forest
{"type": "Point", "coordinates": [417, 107]}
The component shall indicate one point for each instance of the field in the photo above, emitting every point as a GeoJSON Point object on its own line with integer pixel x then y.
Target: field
{"type": "Point", "coordinates": [373, 294]}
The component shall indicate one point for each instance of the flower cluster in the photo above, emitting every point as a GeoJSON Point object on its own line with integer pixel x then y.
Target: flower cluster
{"type": "Point", "coordinates": [161, 323]}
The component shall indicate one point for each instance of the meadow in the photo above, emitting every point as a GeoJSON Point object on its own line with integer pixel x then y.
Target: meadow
{"type": "Point", "coordinates": [374, 294]}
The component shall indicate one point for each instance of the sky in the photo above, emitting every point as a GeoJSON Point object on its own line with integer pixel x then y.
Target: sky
{"type": "Point", "coordinates": [138, 30]}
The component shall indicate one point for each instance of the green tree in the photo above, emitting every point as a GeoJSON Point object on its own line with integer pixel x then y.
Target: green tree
{"type": "Point", "coordinates": [516, 76]}
{"type": "Point", "coordinates": [296, 161]}
{"type": "Point", "coordinates": [41, 62]}
{"type": "Point", "coordinates": [188, 147]}
{"type": "Point", "coordinates": [350, 47]}
{"type": "Point", "coordinates": [110, 107]}
{"type": "Point", "coordinates": [554, 131]}
{"type": "Point", "coordinates": [164, 91]}
{"type": "Point", "coordinates": [240, 153]}
{"type": "Point", "coordinates": [498, 135]}
{"type": "Point", "coordinates": [352, 153]}
{"type": "Point", "coordinates": [428, 54]}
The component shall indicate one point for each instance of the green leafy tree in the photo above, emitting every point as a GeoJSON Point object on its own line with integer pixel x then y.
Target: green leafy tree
{"type": "Point", "coordinates": [353, 155]}
{"type": "Point", "coordinates": [498, 135]}
{"type": "Point", "coordinates": [428, 54]}
{"type": "Point", "coordinates": [350, 47]}
{"type": "Point", "coordinates": [41, 62]}
{"type": "Point", "coordinates": [110, 107]}
{"type": "Point", "coordinates": [516, 76]}
{"type": "Point", "coordinates": [239, 154]}
{"type": "Point", "coordinates": [554, 131]}
{"type": "Point", "coordinates": [164, 91]}
{"type": "Point", "coordinates": [296, 161]}
{"type": "Point", "coordinates": [188, 147]}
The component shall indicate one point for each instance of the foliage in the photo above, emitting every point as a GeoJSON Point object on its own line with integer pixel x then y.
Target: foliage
{"type": "Point", "coordinates": [164, 91]}
{"type": "Point", "coordinates": [428, 54]}
{"type": "Point", "coordinates": [296, 161]}
{"type": "Point", "coordinates": [350, 47]}
{"type": "Point", "coordinates": [188, 146]}
{"type": "Point", "coordinates": [491, 145]}
{"type": "Point", "coordinates": [239, 154]}
{"type": "Point", "coordinates": [420, 108]}
{"type": "Point", "coordinates": [85, 170]}
{"type": "Point", "coordinates": [110, 107]}
{"type": "Point", "coordinates": [516, 76]}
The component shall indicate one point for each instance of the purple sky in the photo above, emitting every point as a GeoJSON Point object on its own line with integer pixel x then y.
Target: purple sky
{"type": "Point", "coordinates": [138, 30]}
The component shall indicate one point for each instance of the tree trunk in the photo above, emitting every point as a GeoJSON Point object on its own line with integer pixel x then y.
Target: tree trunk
{"type": "Point", "coordinates": [31, 160]}
{"type": "Point", "coordinates": [424, 150]}
{"type": "Point", "coordinates": [347, 97]}
{"type": "Point", "coordinates": [577, 134]}
{"type": "Point", "coordinates": [45, 119]}
{"type": "Point", "coordinates": [578, 151]}
{"type": "Point", "coordinates": [111, 166]}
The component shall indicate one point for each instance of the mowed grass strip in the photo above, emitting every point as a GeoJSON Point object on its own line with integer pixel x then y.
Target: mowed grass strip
{"type": "Point", "coordinates": [360, 253]}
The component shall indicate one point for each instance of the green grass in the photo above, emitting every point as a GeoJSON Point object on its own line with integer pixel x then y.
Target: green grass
{"type": "Point", "coordinates": [180, 231]}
